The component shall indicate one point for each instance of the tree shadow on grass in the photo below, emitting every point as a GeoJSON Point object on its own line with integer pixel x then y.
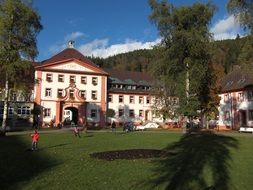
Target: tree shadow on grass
{"type": "Point", "coordinates": [19, 165]}
{"type": "Point", "coordinates": [196, 162]}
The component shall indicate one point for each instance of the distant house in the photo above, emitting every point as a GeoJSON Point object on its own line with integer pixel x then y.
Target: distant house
{"type": "Point", "coordinates": [236, 104]}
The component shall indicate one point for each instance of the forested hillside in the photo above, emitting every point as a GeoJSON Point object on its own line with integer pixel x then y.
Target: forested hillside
{"type": "Point", "coordinates": [225, 53]}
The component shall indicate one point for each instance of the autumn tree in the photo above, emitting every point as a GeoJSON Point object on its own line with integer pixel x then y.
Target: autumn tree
{"type": "Point", "coordinates": [19, 26]}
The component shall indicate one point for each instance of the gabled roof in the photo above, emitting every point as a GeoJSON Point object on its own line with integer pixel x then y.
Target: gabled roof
{"type": "Point", "coordinates": [238, 79]}
{"type": "Point", "coordinates": [67, 55]}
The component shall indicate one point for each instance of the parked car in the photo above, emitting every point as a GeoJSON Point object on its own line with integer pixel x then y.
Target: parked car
{"type": "Point", "coordinates": [213, 123]}
{"type": "Point", "coordinates": [128, 126]}
{"type": "Point", "coordinates": [148, 125]}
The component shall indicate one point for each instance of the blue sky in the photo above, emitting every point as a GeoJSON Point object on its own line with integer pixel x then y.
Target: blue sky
{"type": "Point", "coordinates": [107, 27]}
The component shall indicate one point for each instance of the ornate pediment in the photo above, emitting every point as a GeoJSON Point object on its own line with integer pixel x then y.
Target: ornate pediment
{"type": "Point", "coordinates": [72, 66]}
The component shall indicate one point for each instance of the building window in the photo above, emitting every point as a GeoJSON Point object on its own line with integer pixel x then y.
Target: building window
{"type": "Point", "coordinates": [24, 110]}
{"type": "Point", "coordinates": [48, 92]}
{"type": "Point", "coordinates": [49, 77]}
{"type": "Point", "coordinates": [131, 99]}
{"type": "Point", "coordinates": [82, 93]}
{"type": "Point", "coordinates": [60, 93]}
{"type": "Point", "coordinates": [227, 116]}
{"type": "Point", "coordinates": [121, 99]}
{"type": "Point", "coordinates": [1, 110]}
{"type": "Point", "coordinates": [240, 97]}
{"type": "Point", "coordinates": [109, 98]}
{"type": "Point", "coordinates": [72, 79]}
{"type": "Point", "coordinates": [250, 95]}
{"type": "Point", "coordinates": [71, 93]}
{"type": "Point", "coordinates": [121, 112]}
{"type": "Point", "coordinates": [226, 97]}
{"type": "Point", "coordinates": [140, 113]}
{"type": "Point", "coordinates": [60, 78]}
{"type": "Point", "coordinates": [141, 100]}
{"type": "Point", "coordinates": [83, 80]}
{"type": "Point", "coordinates": [94, 80]}
{"type": "Point", "coordinates": [47, 112]}
{"type": "Point", "coordinates": [131, 113]}
{"type": "Point", "coordinates": [14, 97]}
{"type": "Point", "coordinates": [250, 115]}
{"type": "Point", "coordinates": [10, 110]}
{"type": "Point", "coordinates": [93, 94]}
{"type": "Point", "coordinates": [148, 100]}
{"type": "Point", "coordinates": [93, 113]}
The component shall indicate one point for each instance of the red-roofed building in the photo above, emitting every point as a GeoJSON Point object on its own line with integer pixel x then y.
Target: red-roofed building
{"type": "Point", "coordinates": [236, 104]}
{"type": "Point", "coordinates": [71, 87]}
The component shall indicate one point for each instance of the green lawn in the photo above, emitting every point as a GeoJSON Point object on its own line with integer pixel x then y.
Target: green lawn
{"type": "Point", "coordinates": [63, 162]}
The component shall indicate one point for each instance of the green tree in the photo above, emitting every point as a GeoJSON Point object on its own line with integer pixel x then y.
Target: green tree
{"type": "Point", "coordinates": [186, 42]}
{"type": "Point", "coordinates": [243, 10]}
{"type": "Point", "coordinates": [164, 89]}
{"type": "Point", "coordinates": [19, 26]}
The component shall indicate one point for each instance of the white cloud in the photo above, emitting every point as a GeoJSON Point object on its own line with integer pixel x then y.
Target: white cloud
{"type": "Point", "coordinates": [73, 36]}
{"type": "Point", "coordinates": [101, 48]}
{"type": "Point", "coordinates": [62, 45]}
{"type": "Point", "coordinates": [226, 28]}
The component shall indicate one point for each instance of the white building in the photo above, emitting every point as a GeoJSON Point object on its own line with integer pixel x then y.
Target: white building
{"type": "Point", "coordinates": [69, 86]}
{"type": "Point", "coordinates": [236, 103]}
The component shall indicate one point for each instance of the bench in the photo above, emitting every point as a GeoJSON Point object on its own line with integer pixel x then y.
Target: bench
{"type": "Point", "coordinates": [246, 129]}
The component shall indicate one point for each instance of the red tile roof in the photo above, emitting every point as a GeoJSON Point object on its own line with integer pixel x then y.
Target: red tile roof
{"type": "Point", "coordinates": [69, 53]}
{"type": "Point", "coordinates": [132, 75]}
{"type": "Point", "coordinates": [237, 80]}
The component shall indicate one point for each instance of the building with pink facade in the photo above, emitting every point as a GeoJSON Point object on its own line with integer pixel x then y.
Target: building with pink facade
{"type": "Point", "coordinates": [71, 87]}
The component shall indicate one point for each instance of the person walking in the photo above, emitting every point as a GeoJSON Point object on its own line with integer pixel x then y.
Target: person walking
{"type": "Point", "coordinates": [76, 130]}
{"type": "Point", "coordinates": [35, 138]}
{"type": "Point", "coordinates": [113, 127]}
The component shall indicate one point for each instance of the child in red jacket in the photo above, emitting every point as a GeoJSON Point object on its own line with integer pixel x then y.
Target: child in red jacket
{"type": "Point", "coordinates": [35, 138]}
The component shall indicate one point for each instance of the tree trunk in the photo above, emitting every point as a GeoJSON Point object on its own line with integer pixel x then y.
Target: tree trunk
{"type": "Point", "coordinates": [5, 113]}
{"type": "Point", "coordinates": [187, 82]}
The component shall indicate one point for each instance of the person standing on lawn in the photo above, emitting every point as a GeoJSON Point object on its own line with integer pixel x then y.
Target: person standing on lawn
{"type": "Point", "coordinates": [35, 138]}
{"type": "Point", "coordinates": [113, 127]}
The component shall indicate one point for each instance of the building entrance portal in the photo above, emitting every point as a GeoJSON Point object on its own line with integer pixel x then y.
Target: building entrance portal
{"type": "Point", "coordinates": [70, 114]}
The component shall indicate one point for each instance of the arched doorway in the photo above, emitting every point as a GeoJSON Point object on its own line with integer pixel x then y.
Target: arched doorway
{"type": "Point", "coordinates": [70, 114]}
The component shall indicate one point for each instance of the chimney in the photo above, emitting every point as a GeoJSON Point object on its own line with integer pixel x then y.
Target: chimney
{"type": "Point", "coordinates": [71, 44]}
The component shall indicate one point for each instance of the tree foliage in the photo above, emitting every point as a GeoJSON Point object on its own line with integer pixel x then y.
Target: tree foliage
{"type": "Point", "coordinates": [186, 45]}
{"type": "Point", "coordinates": [243, 10]}
{"type": "Point", "coordinates": [19, 26]}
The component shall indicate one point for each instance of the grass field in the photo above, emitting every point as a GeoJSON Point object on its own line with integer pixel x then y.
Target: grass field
{"type": "Point", "coordinates": [63, 162]}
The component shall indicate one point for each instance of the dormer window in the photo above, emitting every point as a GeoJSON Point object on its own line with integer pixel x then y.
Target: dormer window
{"type": "Point", "coordinates": [94, 80]}
{"type": "Point", "coordinates": [49, 77]}
{"type": "Point", "coordinates": [72, 79]}
{"type": "Point", "coordinates": [83, 80]}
